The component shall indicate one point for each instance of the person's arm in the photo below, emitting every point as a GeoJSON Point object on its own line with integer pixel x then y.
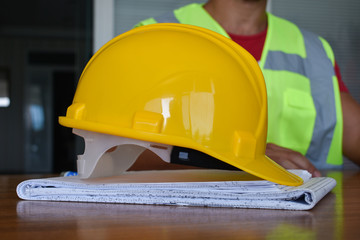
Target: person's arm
{"type": "Point", "coordinates": [351, 120]}
{"type": "Point", "coordinates": [351, 128]}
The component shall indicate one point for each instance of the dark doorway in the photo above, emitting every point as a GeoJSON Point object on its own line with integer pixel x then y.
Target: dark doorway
{"type": "Point", "coordinates": [64, 144]}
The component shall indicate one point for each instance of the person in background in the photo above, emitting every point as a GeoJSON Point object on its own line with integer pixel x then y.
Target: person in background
{"type": "Point", "coordinates": [313, 120]}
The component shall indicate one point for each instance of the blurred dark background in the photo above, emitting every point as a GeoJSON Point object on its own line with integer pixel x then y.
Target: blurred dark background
{"type": "Point", "coordinates": [44, 46]}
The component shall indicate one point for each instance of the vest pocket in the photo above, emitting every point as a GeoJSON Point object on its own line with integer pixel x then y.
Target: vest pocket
{"type": "Point", "coordinates": [297, 120]}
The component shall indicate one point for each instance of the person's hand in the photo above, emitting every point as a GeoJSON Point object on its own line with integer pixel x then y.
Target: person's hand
{"type": "Point", "coordinates": [290, 159]}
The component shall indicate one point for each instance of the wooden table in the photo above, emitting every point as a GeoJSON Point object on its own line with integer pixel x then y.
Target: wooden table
{"type": "Point", "coordinates": [337, 216]}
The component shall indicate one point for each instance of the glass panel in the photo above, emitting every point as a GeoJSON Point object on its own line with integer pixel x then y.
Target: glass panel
{"type": "Point", "coordinates": [4, 88]}
{"type": "Point", "coordinates": [128, 13]}
{"type": "Point", "coordinates": [44, 46]}
{"type": "Point", "coordinates": [338, 22]}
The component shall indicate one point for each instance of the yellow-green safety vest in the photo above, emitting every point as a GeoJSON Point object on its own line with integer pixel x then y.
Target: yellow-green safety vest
{"type": "Point", "coordinates": [304, 108]}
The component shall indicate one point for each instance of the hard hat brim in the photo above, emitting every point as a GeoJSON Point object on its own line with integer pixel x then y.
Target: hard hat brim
{"type": "Point", "coordinates": [266, 168]}
{"type": "Point", "coordinates": [262, 166]}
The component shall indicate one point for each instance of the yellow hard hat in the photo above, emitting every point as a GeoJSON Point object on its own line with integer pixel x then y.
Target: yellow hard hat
{"type": "Point", "coordinates": [183, 86]}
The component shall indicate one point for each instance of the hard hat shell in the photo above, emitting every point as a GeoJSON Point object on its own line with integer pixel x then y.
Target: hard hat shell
{"type": "Point", "coordinates": [179, 85]}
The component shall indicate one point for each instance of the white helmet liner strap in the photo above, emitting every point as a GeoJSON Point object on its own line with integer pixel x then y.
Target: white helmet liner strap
{"type": "Point", "coordinates": [108, 155]}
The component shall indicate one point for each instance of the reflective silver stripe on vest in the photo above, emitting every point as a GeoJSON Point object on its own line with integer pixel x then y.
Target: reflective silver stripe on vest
{"type": "Point", "coordinates": [319, 69]}
{"type": "Point", "coordinates": [167, 18]}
